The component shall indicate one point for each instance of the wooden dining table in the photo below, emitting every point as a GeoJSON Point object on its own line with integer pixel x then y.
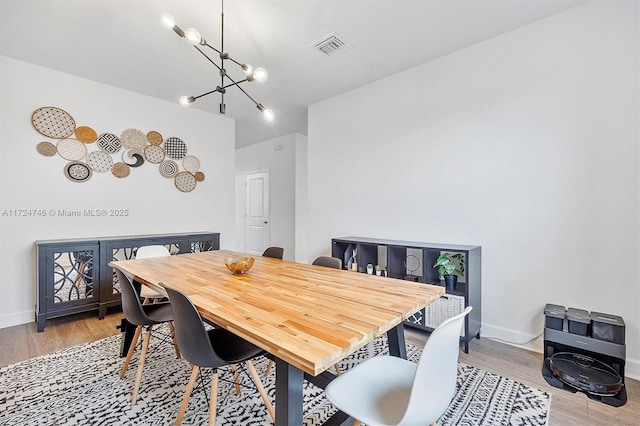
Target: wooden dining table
{"type": "Point", "coordinates": [306, 317]}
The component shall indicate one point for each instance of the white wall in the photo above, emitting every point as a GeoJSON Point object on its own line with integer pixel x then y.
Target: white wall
{"type": "Point", "coordinates": [526, 144]}
{"type": "Point", "coordinates": [29, 180]}
{"type": "Point", "coordinates": [278, 156]}
{"type": "Point", "coordinates": [301, 200]}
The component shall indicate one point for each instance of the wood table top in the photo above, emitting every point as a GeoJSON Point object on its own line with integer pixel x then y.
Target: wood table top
{"type": "Point", "coordinates": [309, 316]}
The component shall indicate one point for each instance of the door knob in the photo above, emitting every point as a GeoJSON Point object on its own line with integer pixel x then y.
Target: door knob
{"type": "Point", "coordinates": [265, 222]}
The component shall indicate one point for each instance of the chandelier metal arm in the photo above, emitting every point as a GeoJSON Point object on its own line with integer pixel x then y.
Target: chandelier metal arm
{"type": "Point", "coordinates": [195, 39]}
{"type": "Point", "coordinates": [226, 55]}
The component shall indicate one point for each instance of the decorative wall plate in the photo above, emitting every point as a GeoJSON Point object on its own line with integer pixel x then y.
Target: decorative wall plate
{"type": "Point", "coordinates": [47, 149]}
{"type": "Point", "coordinates": [86, 134]}
{"type": "Point", "coordinates": [133, 138]}
{"type": "Point", "coordinates": [132, 153]}
{"type": "Point", "coordinates": [175, 148]}
{"type": "Point", "coordinates": [71, 149]}
{"type": "Point", "coordinates": [169, 168]}
{"type": "Point", "coordinates": [154, 138]}
{"type": "Point", "coordinates": [199, 176]}
{"type": "Point", "coordinates": [120, 170]}
{"type": "Point", "coordinates": [191, 163]}
{"type": "Point", "coordinates": [109, 142]}
{"type": "Point", "coordinates": [77, 171]}
{"type": "Point", "coordinates": [99, 161]}
{"type": "Point", "coordinates": [53, 122]}
{"type": "Point", "coordinates": [154, 154]}
{"type": "Point", "coordinates": [185, 182]}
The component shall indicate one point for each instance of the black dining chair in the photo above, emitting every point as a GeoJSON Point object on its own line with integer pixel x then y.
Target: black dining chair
{"type": "Point", "coordinates": [213, 349]}
{"type": "Point", "coordinates": [275, 252]}
{"type": "Point", "coordinates": [142, 316]}
{"type": "Point", "coordinates": [329, 262]}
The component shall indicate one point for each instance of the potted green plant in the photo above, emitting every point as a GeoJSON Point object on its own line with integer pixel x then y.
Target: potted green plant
{"type": "Point", "coordinates": [378, 270]}
{"type": "Point", "coordinates": [450, 265]}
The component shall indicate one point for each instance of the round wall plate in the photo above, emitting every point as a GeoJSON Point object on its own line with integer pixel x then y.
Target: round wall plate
{"type": "Point", "coordinates": [185, 182]}
{"type": "Point", "coordinates": [169, 169]}
{"type": "Point", "coordinates": [77, 171]}
{"type": "Point", "coordinates": [175, 148]}
{"type": "Point", "coordinates": [53, 122]}
{"type": "Point", "coordinates": [86, 134]}
{"type": "Point", "coordinates": [109, 142]}
{"type": "Point", "coordinates": [99, 161]}
{"type": "Point", "coordinates": [71, 149]}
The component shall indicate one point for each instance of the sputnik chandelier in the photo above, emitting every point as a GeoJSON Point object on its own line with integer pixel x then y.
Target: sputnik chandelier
{"type": "Point", "coordinates": [194, 38]}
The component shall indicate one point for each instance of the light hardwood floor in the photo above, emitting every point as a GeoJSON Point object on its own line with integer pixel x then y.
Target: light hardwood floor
{"type": "Point", "coordinates": [23, 342]}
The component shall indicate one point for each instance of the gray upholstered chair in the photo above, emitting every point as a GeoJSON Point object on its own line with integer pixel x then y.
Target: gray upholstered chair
{"type": "Point", "coordinates": [213, 349]}
{"type": "Point", "coordinates": [388, 390]}
{"type": "Point", "coordinates": [146, 316]}
{"type": "Point", "coordinates": [329, 262]}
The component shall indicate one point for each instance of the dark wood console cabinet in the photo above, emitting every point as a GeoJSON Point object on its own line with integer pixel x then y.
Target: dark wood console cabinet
{"type": "Point", "coordinates": [414, 261]}
{"type": "Point", "coordinates": [74, 275]}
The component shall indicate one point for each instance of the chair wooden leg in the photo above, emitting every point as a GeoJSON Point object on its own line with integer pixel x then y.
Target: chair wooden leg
{"type": "Point", "coordinates": [236, 378]}
{"type": "Point", "coordinates": [356, 422]}
{"type": "Point", "coordinates": [143, 356]}
{"type": "Point", "coordinates": [213, 401]}
{"type": "Point", "coordinates": [338, 371]}
{"type": "Point", "coordinates": [173, 337]}
{"type": "Point", "coordinates": [266, 372]}
{"type": "Point", "coordinates": [132, 347]}
{"type": "Point", "coordinates": [263, 394]}
{"type": "Point", "coordinates": [195, 370]}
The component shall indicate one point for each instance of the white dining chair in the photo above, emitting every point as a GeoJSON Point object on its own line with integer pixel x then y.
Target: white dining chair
{"type": "Point", "coordinates": [387, 390]}
{"type": "Point", "coordinates": [146, 252]}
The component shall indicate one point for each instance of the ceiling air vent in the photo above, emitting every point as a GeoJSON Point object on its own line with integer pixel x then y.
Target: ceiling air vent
{"type": "Point", "coordinates": [332, 45]}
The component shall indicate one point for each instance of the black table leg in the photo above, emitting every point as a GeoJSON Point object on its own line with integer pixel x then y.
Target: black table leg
{"type": "Point", "coordinates": [128, 330]}
{"type": "Point", "coordinates": [397, 345]}
{"type": "Point", "coordinates": [289, 408]}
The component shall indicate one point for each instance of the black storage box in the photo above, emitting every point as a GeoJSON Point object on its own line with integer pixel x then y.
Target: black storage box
{"type": "Point", "coordinates": [609, 328]}
{"type": "Point", "coordinates": [554, 316]}
{"type": "Point", "coordinates": [579, 321]}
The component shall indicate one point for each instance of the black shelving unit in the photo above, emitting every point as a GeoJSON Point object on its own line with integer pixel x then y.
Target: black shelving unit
{"type": "Point", "coordinates": [468, 290]}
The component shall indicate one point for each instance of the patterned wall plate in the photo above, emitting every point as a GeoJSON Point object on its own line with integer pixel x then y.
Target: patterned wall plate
{"type": "Point", "coordinates": [169, 168]}
{"type": "Point", "coordinates": [175, 148]}
{"type": "Point", "coordinates": [191, 163]}
{"type": "Point", "coordinates": [185, 181]}
{"type": "Point", "coordinates": [71, 149]}
{"type": "Point", "coordinates": [154, 138]}
{"type": "Point", "coordinates": [77, 171]}
{"type": "Point", "coordinates": [109, 142]}
{"type": "Point", "coordinates": [133, 138]}
{"type": "Point", "coordinates": [199, 176]}
{"type": "Point", "coordinates": [154, 154]}
{"type": "Point", "coordinates": [120, 170]}
{"type": "Point", "coordinates": [53, 122]}
{"type": "Point", "coordinates": [86, 134]}
{"type": "Point", "coordinates": [99, 161]}
{"type": "Point", "coordinates": [132, 153]}
{"type": "Point", "coordinates": [47, 149]}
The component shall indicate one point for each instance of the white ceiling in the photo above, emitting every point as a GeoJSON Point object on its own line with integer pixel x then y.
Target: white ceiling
{"type": "Point", "coordinates": [121, 43]}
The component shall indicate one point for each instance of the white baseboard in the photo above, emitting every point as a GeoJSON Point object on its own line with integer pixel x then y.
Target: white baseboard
{"type": "Point", "coordinates": [524, 341]}
{"type": "Point", "coordinates": [17, 318]}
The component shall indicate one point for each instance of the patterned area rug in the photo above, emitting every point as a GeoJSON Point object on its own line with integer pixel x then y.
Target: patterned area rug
{"type": "Point", "coordinates": [80, 386]}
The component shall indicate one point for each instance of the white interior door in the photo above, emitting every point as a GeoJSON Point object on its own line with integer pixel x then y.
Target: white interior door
{"type": "Point", "coordinates": [256, 212]}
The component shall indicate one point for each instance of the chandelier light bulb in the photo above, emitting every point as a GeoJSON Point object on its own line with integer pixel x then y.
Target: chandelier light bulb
{"type": "Point", "coordinates": [167, 21]}
{"type": "Point", "coordinates": [247, 68]}
{"type": "Point", "coordinates": [260, 75]}
{"type": "Point", "coordinates": [268, 115]}
{"type": "Point", "coordinates": [193, 36]}
{"type": "Point", "coordinates": [186, 101]}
